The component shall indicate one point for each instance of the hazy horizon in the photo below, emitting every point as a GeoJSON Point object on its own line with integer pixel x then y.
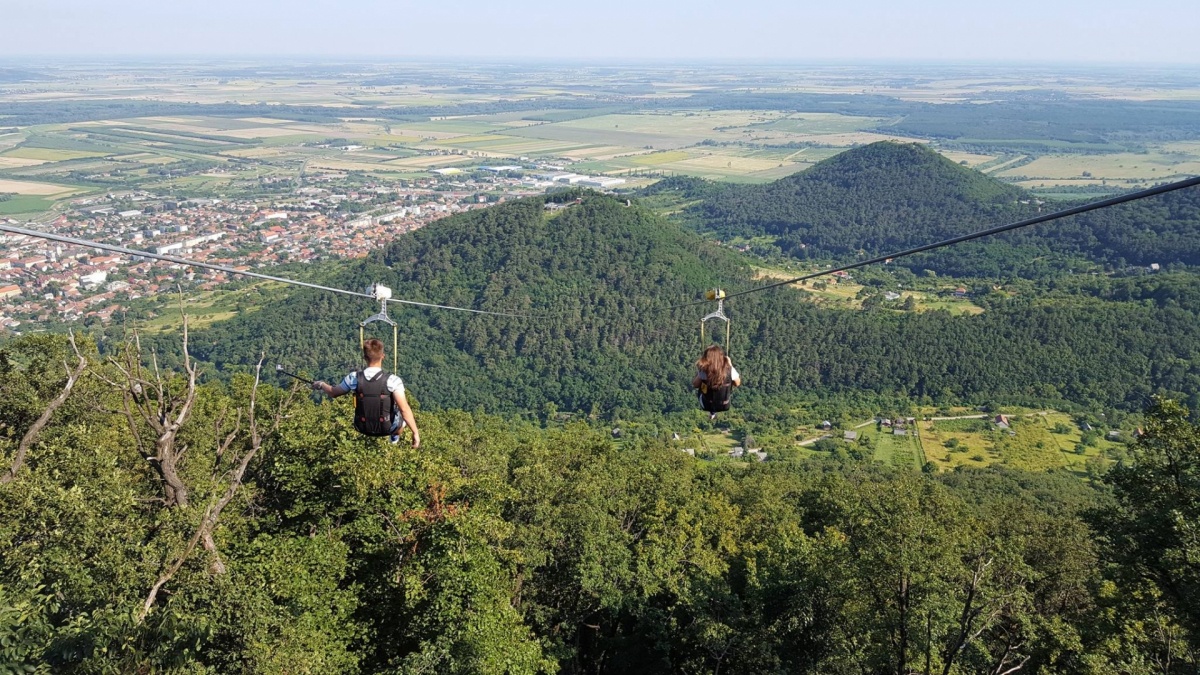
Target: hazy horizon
{"type": "Point", "coordinates": [937, 32]}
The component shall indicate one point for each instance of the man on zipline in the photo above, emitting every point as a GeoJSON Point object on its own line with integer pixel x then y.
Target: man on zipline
{"type": "Point", "coordinates": [378, 397]}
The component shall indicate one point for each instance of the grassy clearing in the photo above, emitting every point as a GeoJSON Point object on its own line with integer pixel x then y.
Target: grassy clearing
{"type": "Point", "coordinates": [713, 444]}
{"type": "Point", "coordinates": [952, 446]}
{"type": "Point", "coordinates": [1032, 443]}
{"type": "Point", "coordinates": [204, 308]}
{"type": "Point", "coordinates": [1067, 444]}
{"type": "Point", "coordinates": [1030, 447]}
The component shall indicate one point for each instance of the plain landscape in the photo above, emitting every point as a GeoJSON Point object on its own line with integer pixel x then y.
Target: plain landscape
{"type": "Point", "coordinates": [979, 459]}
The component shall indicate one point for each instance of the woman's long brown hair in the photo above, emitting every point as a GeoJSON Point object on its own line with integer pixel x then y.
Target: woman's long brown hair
{"type": "Point", "coordinates": [714, 365]}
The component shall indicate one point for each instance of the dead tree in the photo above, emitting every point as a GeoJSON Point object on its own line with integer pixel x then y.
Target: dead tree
{"type": "Point", "coordinates": [232, 480]}
{"type": "Point", "coordinates": [148, 397]}
{"type": "Point", "coordinates": [40, 423]}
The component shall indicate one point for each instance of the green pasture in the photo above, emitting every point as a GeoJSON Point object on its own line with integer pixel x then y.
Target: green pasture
{"type": "Point", "coordinates": [25, 204]}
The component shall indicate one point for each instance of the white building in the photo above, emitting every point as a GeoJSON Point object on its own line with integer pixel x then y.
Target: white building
{"type": "Point", "coordinates": [601, 182]}
{"type": "Point", "coordinates": [394, 215]}
{"type": "Point", "coordinates": [94, 279]}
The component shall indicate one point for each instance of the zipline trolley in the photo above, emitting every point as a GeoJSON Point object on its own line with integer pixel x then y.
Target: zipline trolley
{"type": "Point", "coordinates": [717, 295]}
{"type": "Point", "coordinates": [382, 294]}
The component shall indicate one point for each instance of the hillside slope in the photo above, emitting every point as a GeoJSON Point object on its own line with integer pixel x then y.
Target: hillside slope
{"type": "Point", "coordinates": [880, 197]}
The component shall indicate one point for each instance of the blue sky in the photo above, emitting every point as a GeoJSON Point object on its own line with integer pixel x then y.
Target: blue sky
{"type": "Point", "coordinates": [1149, 31]}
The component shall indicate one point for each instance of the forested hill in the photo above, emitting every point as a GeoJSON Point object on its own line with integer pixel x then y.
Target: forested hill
{"type": "Point", "coordinates": [588, 272]}
{"type": "Point", "coordinates": [890, 196]}
{"type": "Point", "coordinates": [880, 197]}
{"type": "Point", "coordinates": [596, 275]}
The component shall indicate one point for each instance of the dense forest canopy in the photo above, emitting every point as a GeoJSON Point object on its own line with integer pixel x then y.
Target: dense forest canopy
{"type": "Point", "coordinates": [891, 196]}
{"type": "Point", "coordinates": [237, 527]}
{"type": "Point", "coordinates": [597, 275]}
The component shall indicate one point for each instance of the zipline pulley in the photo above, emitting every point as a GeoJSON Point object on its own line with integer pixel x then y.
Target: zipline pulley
{"type": "Point", "coordinates": [718, 295]}
{"type": "Point", "coordinates": [382, 294]}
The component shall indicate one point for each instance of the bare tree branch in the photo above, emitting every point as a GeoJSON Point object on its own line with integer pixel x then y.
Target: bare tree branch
{"type": "Point", "coordinates": [170, 573]}
{"type": "Point", "coordinates": [1015, 668]}
{"type": "Point", "coordinates": [164, 413]}
{"type": "Point", "coordinates": [168, 415]}
{"type": "Point", "coordinates": [238, 474]}
{"type": "Point", "coordinates": [40, 423]}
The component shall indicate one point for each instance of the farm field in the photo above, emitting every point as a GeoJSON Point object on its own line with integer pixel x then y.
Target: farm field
{"type": "Point", "coordinates": [901, 450]}
{"type": "Point", "coordinates": [622, 122]}
{"type": "Point", "coordinates": [49, 154]}
{"type": "Point", "coordinates": [25, 205]}
{"type": "Point", "coordinates": [971, 159]}
{"type": "Point", "coordinates": [7, 162]}
{"type": "Point", "coordinates": [1154, 165]}
{"type": "Point", "coordinates": [29, 188]}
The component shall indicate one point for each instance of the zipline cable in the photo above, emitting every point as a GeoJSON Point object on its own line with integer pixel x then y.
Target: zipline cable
{"type": "Point", "coordinates": [113, 248]}
{"type": "Point", "coordinates": [1074, 211]}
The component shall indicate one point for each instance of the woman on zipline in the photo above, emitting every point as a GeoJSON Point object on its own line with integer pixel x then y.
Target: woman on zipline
{"type": "Point", "coordinates": [715, 379]}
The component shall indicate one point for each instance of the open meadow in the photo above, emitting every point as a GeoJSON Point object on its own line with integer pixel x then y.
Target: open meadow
{"type": "Point", "coordinates": [1032, 442]}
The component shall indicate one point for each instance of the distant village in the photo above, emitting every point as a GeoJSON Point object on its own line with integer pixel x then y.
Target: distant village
{"type": "Point", "coordinates": [325, 219]}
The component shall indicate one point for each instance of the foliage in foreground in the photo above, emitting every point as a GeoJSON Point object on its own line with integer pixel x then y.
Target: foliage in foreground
{"type": "Point", "coordinates": [502, 548]}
